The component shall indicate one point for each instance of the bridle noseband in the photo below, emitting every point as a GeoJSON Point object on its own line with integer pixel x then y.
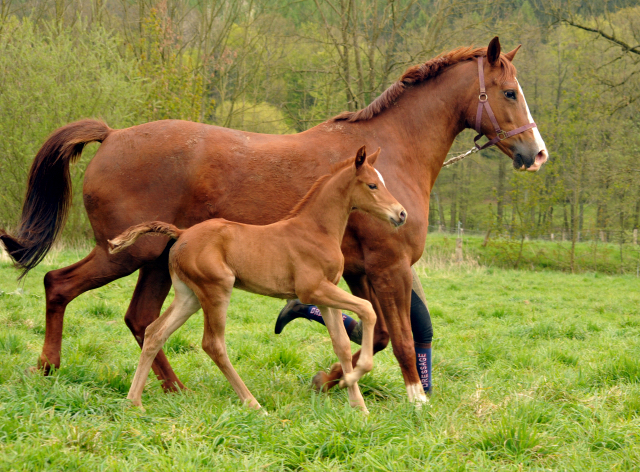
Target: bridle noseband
{"type": "Point", "coordinates": [483, 104]}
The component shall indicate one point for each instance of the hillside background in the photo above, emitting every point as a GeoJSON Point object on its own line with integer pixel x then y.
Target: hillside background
{"type": "Point", "coordinates": [283, 66]}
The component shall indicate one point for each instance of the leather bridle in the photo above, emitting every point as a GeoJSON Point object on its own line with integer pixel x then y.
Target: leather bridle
{"type": "Point", "coordinates": [484, 105]}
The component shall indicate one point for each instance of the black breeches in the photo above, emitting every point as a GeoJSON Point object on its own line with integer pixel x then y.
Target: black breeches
{"type": "Point", "coordinates": [420, 321]}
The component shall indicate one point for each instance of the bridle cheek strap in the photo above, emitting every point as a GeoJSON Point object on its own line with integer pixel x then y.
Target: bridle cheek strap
{"type": "Point", "coordinates": [483, 104]}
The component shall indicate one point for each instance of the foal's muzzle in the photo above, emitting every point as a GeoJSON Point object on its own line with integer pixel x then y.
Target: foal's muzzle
{"type": "Point", "coordinates": [399, 217]}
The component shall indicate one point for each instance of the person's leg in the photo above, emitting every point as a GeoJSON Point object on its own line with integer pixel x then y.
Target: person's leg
{"type": "Point", "coordinates": [294, 309]}
{"type": "Point", "coordinates": [420, 326]}
{"type": "Point", "coordinates": [422, 337]}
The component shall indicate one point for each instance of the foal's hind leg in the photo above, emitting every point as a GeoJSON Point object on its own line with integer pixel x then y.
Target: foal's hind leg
{"type": "Point", "coordinates": [214, 305]}
{"type": "Point", "coordinates": [63, 285]}
{"type": "Point", "coordinates": [154, 282]}
{"type": "Point", "coordinates": [183, 306]}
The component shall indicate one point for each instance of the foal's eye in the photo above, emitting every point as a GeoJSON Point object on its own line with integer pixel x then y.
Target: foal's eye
{"type": "Point", "coordinates": [510, 94]}
{"type": "Point", "coordinates": [372, 186]}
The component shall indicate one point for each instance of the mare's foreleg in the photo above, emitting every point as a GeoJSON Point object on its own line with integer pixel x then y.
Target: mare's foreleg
{"type": "Point", "coordinates": [392, 286]}
{"type": "Point", "coordinates": [183, 306]}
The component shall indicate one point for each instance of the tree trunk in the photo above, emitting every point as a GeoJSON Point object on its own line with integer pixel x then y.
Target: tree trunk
{"type": "Point", "coordinates": [502, 164]}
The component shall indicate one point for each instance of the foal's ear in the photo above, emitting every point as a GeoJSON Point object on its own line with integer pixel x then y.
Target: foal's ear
{"type": "Point", "coordinates": [493, 51]}
{"type": "Point", "coordinates": [511, 54]}
{"type": "Point", "coordinates": [371, 159]}
{"type": "Point", "coordinates": [361, 155]}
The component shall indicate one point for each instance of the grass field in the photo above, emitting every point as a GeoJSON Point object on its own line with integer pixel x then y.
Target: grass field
{"type": "Point", "coordinates": [533, 371]}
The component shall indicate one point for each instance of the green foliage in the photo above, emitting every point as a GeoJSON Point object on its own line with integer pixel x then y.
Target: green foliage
{"type": "Point", "coordinates": [281, 67]}
{"type": "Point", "coordinates": [175, 87]}
{"type": "Point", "coordinates": [48, 78]}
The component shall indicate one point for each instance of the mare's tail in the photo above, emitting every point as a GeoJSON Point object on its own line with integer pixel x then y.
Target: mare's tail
{"type": "Point", "coordinates": [130, 236]}
{"type": "Point", "coordinates": [46, 204]}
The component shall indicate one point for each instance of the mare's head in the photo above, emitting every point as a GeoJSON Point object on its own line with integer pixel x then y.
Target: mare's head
{"type": "Point", "coordinates": [506, 100]}
{"type": "Point", "coordinates": [370, 194]}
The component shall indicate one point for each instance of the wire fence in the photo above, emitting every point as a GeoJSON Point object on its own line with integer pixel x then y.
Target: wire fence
{"type": "Point", "coordinates": [606, 251]}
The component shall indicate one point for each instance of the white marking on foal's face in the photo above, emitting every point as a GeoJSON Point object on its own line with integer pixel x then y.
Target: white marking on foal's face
{"type": "Point", "coordinates": [536, 133]}
{"type": "Point", "coordinates": [380, 177]}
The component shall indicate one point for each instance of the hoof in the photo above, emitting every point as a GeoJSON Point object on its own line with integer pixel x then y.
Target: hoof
{"type": "Point", "coordinates": [419, 405]}
{"type": "Point", "coordinates": [34, 370]}
{"type": "Point", "coordinates": [45, 366]}
{"type": "Point", "coordinates": [320, 382]}
{"type": "Point", "coordinates": [360, 406]}
{"type": "Point", "coordinates": [254, 405]}
{"type": "Point", "coordinates": [172, 387]}
{"type": "Point", "coordinates": [136, 404]}
{"type": "Point", "coordinates": [324, 382]}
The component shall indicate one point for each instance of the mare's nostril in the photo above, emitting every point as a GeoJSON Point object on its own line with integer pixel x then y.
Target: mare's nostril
{"type": "Point", "coordinates": [403, 215]}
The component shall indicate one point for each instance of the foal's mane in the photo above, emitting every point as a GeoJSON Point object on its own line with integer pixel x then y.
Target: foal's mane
{"type": "Point", "coordinates": [335, 168]}
{"type": "Point", "coordinates": [421, 73]}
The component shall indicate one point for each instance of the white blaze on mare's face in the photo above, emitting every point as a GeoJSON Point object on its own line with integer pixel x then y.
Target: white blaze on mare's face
{"type": "Point", "coordinates": [380, 176]}
{"type": "Point", "coordinates": [536, 133]}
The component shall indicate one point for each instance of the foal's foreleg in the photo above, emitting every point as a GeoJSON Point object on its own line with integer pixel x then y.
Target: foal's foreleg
{"type": "Point", "coordinates": [184, 305]}
{"type": "Point", "coordinates": [341, 346]}
{"type": "Point", "coordinates": [332, 296]}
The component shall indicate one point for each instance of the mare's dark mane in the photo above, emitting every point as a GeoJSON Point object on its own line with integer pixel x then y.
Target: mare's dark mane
{"type": "Point", "coordinates": [420, 73]}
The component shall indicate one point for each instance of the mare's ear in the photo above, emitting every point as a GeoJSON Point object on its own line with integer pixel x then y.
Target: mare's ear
{"type": "Point", "coordinates": [361, 155]}
{"type": "Point", "coordinates": [511, 54]}
{"type": "Point", "coordinates": [493, 51]}
{"type": "Point", "coordinates": [372, 157]}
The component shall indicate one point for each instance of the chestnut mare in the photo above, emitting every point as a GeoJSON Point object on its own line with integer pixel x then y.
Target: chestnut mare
{"type": "Point", "coordinates": [298, 256]}
{"type": "Point", "coordinates": [184, 173]}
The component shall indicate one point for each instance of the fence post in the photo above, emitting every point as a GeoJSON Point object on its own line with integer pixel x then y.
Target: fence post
{"type": "Point", "coordinates": [459, 243]}
{"type": "Point", "coordinates": [552, 236]}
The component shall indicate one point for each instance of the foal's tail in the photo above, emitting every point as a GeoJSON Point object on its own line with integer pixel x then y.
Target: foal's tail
{"type": "Point", "coordinates": [48, 196]}
{"type": "Point", "coordinates": [131, 235]}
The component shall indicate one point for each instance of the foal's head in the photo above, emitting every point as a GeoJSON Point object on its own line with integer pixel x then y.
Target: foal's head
{"type": "Point", "coordinates": [370, 194]}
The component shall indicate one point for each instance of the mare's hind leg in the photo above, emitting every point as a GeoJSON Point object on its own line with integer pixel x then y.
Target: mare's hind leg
{"type": "Point", "coordinates": [183, 306]}
{"type": "Point", "coordinates": [63, 285]}
{"type": "Point", "coordinates": [154, 282]}
{"type": "Point", "coordinates": [214, 304]}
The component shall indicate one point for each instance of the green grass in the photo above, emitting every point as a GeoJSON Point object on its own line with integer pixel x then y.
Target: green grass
{"type": "Point", "coordinates": [538, 255]}
{"type": "Point", "coordinates": [533, 371]}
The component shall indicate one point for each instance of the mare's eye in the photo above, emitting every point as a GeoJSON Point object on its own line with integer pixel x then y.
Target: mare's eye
{"type": "Point", "coordinates": [510, 94]}
{"type": "Point", "coordinates": [372, 186]}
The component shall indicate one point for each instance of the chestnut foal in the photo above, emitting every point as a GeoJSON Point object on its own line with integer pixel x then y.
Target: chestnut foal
{"type": "Point", "coordinates": [299, 256]}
